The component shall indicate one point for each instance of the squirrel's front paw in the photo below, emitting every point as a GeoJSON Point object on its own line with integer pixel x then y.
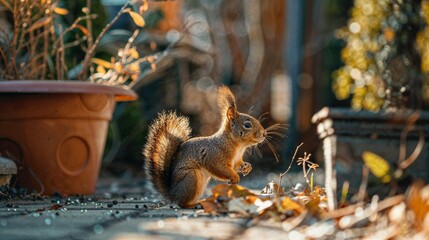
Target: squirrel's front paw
{"type": "Point", "coordinates": [245, 168]}
{"type": "Point", "coordinates": [234, 180]}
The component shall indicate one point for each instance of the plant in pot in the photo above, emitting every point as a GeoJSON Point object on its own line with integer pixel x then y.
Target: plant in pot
{"type": "Point", "coordinates": [385, 75]}
{"type": "Point", "coordinates": [54, 128]}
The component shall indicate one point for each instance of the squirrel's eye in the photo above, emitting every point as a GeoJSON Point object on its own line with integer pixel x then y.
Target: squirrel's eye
{"type": "Point", "coordinates": [247, 125]}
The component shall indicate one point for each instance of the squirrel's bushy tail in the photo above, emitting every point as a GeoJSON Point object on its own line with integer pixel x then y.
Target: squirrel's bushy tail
{"type": "Point", "coordinates": [165, 135]}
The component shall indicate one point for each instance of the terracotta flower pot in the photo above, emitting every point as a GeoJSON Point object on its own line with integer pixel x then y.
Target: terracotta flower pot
{"type": "Point", "coordinates": [55, 131]}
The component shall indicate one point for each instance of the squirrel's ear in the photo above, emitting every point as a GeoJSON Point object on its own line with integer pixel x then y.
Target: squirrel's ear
{"type": "Point", "coordinates": [231, 114]}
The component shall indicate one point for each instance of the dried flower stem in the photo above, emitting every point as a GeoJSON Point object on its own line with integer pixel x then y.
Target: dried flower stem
{"type": "Point", "coordinates": [290, 165]}
{"type": "Point", "coordinates": [91, 49]}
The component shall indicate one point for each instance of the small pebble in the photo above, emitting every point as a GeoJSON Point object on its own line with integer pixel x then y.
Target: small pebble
{"type": "Point", "coordinates": [115, 202]}
{"type": "Point", "coordinates": [98, 229]}
{"type": "Point", "coordinates": [109, 205]}
{"type": "Point", "coordinates": [137, 206]}
{"type": "Point", "coordinates": [48, 221]}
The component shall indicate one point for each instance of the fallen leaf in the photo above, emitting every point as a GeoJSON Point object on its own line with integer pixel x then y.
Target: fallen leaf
{"type": "Point", "coordinates": [230, 191]}
{"type": "Point", "coordinates": [418, 202]}
{"type": "Point", "coordinates": [210, 205]}
{"type": "Point", "coordinates": [240, 206]}
{"type": "Point", "coordinates": [313, 205]}
{"type": "Point", "coordinates": [288, 204]}
{"type": "Point", "coordinates": [55, 207]}
{"type": "Point", "coordinates": [40, 209]}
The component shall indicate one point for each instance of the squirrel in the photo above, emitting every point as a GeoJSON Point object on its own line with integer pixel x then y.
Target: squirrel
{"type": "Point", "coordinates": [180, 167]}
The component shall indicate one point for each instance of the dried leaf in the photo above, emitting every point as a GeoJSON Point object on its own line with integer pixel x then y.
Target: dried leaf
{"type": "Point", "coordinates": [231, 191]}
{"type": "Point", "coordinates": [137, 18]}
{"type": "Point", "coordinates": [133, 67]}
{"type": "Point", "coordinates": [418, 202]}
{"type": "Point", "coordinates": [313, 205]}
{"type": "Point", "coordinates": [144, 7]}
{"type": "Point", "coordinates": [240, 206]}
{"type": "Point", "coordinates": [377, 165]}
{"type": "Point", "coordinates": [134, 53]}
{"type": "Point", "coordinates": [40, 209]}
{"type": "Point", "coordinates": [61, 11]}
{"type": "Point", "coordinates": [40, 23]}
{"type": "Point", "coordinates": [101, 69]}
{"type": "Point", "coordinates": [211, 206]}
{"type": "Point", "coordinates": [118, 67]}
{"type": "Point", "coordinates": [251, 199]}
{"type": "Point", "coordinates": [101, 62]}
{"type": "Point", "coordinates": [288, 204]}
{"type": "Point", "coordinates": [83, 29]}
{"type": "Point", "coordinates": [55, 207]}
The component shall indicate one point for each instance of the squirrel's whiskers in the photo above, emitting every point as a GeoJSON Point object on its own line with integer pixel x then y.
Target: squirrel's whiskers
{"type": "Point", "coordinates": [270, 138]}
{"type": "Point", "coordinates": [271, 134]}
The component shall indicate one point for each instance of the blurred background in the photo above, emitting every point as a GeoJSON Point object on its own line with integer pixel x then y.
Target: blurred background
{"type": "Point", "coordinates": [277, 57]}
{"type": "Point", "coordinates": [284, 59]}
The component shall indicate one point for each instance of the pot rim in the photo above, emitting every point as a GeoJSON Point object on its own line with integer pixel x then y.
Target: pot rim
{"type": "Point", "coordinates": [50, 86]}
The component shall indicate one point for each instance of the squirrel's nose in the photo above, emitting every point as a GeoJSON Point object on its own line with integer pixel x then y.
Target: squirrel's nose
{"type": "Point", "coordinates": [264, 133]}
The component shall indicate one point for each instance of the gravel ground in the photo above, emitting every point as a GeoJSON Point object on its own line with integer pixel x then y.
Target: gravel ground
{"type": "Point", "coordinates": [125, 209]}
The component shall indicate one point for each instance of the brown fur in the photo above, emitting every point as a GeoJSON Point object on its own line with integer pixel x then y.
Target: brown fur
{"type": "Point", "coordinates": [180, 168]}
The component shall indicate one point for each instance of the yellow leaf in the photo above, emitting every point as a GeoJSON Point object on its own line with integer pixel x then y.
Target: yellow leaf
{"type": "Point", "coordinates": [101, 62]}
{"type": "Point", "coordinates": [118, 67]}
{"type": "Point", "coordinates": [101, 69]}
{"type": "Point", "coordinates": [133, 67]}
{"type": "Point", "coordinates": [230, 191]}
{"type": "Point", "coordinates": [134, 53]}
{"type": "Point", "coordinates": [61, 11]}
{"type": "Point", "coordinates": [137, 18]}
{"type": "Point", "coordinates": [377, 165]}
{"type": "Point", "coordinates": [144, 7]}
{"type": "Point", "coordinates": [288, 204]}
{"type": "Point", "coordinates": [83, 29]}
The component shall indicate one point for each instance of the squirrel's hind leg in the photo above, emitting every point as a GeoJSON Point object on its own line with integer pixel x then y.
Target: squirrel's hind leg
{"type": "Point", "coordinates": [187, 188]}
